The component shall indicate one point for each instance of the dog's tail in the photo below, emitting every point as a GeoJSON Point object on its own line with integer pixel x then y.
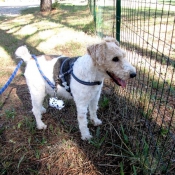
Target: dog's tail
{"type": "Point", "coordinates": [23, 52]}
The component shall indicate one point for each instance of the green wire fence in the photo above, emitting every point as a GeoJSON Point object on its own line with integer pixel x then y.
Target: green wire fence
{"type": "Point", "coordinates": [146, 31]}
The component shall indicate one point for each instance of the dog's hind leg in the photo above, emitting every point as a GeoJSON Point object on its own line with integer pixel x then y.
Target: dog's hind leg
{"type": "Point", "coordinates": [37, 96]}
{"type": "Point", "coordinates": [93, 106]}
{"type": "Point", "coordinates": [43, 110]}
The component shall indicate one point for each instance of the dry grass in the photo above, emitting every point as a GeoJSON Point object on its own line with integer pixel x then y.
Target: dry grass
{"type": "Point", "coordinates": [66, 158]}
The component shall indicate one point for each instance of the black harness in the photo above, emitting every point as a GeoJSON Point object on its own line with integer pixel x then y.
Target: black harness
{"type": "Point", "coordinates": [66, 70]}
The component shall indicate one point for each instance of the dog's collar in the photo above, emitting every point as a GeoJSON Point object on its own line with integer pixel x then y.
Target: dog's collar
{"type": "Point", "coordinates": [70, 71]}
{"type": "Point", "coordinates": [84, 82]}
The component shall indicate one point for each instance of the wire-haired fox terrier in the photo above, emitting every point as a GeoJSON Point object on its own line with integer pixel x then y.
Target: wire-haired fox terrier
{"type": "Point", "coordinates": [80, 78]}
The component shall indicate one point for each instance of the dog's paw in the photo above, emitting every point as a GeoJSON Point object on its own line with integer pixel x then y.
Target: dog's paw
{"type": "Point", "coordinates": [97, 122]}
{"type": "Point", "coordinates": [41, 126]}
{"type": "Point", "coordinates": [86, 137]}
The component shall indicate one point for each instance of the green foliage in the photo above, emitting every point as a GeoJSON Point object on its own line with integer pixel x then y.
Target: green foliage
{"type": "Point", "coordinates": [20, 161]}
{"type": "Point", "coordinates": [140, 157]}
{"type": "Point", "coordinates": [37, 154]}
{"type": "Point", "coordinates": [164, 131]}
{"type": "Point", "coordinates": [124, 135]}
{"type": "Point", "coordinates": [104, 102]}
{"type": "Point", "coordinates": [147, 114]}
{"type": "Point", "coordinates": [97, 141]}
{"type": "Point", "coordinates": [30, 125]}
{"type": "Point", "coordinates": [2, 129]}
{"type": "Point", "coordinates": [89, 28]}
{"type": "Point", "coordinates": [156, 84]}
{"type": "Point", "coordinates": [56, 5]}
{"type": "Point", "coordinates": [1, 103]}
{"type": "Point", "coordinates": [121, 169]}
{"type": "Point", "coordinates": [134, 170]}
{"type": "Point", "coordinates": [19, 125]}
{"type": "Point", "coordinates": [10, 113]}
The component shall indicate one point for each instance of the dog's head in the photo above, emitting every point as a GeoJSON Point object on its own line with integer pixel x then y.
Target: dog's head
{"type": "Point", "coordinates": [110, 59]}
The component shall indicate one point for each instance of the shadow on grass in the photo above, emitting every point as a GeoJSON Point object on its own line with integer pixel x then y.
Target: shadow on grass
{"type": "Point", "coordinates": [11, 43]}
{"type": "Point", "coordinates": [66, 16]}
{"type": "Point", "coordinates": [126, 139]}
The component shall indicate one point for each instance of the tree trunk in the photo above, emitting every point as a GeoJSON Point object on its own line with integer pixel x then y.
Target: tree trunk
{"type": "Point", "coordinates": [46, 5]}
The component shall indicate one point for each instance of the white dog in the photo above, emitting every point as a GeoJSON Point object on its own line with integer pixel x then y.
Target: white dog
{"type": "Point", "coordinates": [82, 81]}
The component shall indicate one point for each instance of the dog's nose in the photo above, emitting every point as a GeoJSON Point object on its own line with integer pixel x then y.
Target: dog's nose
{"type": "Point", "coordinates": [132, 75]}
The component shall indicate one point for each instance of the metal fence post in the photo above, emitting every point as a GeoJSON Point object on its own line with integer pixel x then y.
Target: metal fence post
{"type": "Point", "coordinates": [90, 5]}
{"type": "Point", "coordinates": [94, 12]}
{"type": "Point", "coordinates": [118, 19]}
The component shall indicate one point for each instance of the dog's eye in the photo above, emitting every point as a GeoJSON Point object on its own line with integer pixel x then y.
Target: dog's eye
{"type": "Point", "coordinates": [115, 59]}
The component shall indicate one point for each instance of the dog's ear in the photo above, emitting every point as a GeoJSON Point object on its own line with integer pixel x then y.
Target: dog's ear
{"type": "Point", "coordinates": [97, 52]}
{"type": "Point", "coordinates": [117, 43]}
{"type": "Point", "coordinates": [110, 39]}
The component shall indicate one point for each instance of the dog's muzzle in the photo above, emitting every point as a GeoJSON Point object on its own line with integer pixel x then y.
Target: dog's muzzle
{"type": "Point", "coordinates": [118, 80]}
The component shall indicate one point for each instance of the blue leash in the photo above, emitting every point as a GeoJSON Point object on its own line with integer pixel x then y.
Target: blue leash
{"type": "Point", "coordinates": [11, 78]}
{"type": "Point", "coordinates": [15, 71]}
{"type": "Point", "coordinates": [41, 72]}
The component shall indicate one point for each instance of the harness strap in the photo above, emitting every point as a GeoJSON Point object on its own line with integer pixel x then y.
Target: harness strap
{"type": "Point", "coordinates": [62, 76]}
{"type": "Point", "coordinates": [70, 71]}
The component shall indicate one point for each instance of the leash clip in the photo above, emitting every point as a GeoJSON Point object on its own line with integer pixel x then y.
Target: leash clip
{"type": "Point", "coordinates": [55, 93]}
{"type": "Point", "coordinates": [65, 85]}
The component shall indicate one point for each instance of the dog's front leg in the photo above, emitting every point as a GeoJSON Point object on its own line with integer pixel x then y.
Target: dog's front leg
{"type": "Point", "coordinates": [82, 121]}
{"type": "Point", "coordinates": [93, 106]}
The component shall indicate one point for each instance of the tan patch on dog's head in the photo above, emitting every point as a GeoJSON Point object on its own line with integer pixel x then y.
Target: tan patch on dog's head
{"type": "Point", "coordinates": [99, 51]}
{"type": "Point", "coordinates": [109, 57]}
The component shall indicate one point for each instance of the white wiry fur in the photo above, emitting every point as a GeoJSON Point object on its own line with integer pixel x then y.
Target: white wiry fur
{"type": "Point", "coordinates": [90, 67]}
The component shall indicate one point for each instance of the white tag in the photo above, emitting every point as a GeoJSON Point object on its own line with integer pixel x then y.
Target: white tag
{"type": "Point", "coordinates": [55, 103]}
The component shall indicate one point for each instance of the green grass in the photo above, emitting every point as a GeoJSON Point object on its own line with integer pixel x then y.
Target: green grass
{"type": "Point", "coordinates": [142, 161]}
{"type": "Point", "coordinates": [104, 102]}
{"type": "Point", "coordinates": [98, 139]}
{"type": "Point", "coordinates": [10, 113]}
